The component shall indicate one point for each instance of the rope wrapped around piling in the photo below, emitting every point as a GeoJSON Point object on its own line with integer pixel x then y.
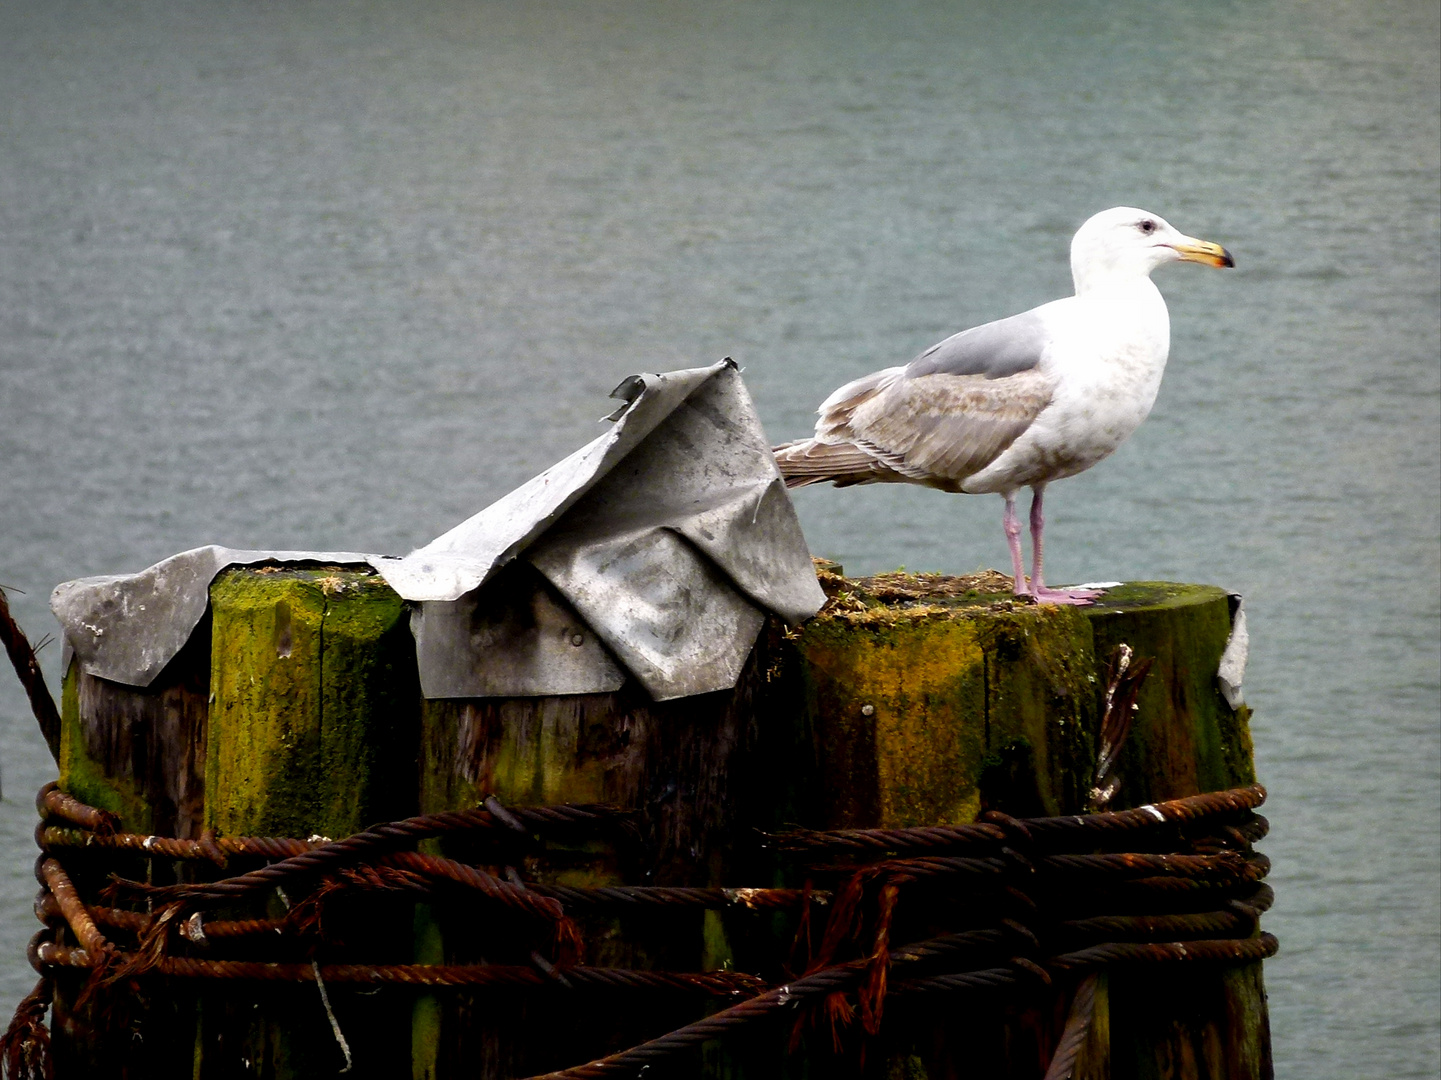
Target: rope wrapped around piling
{"type": "Point", "coordinates": [1061, 897]}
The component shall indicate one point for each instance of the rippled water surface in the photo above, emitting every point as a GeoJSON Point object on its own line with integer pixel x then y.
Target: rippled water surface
{"type": "Point", "coordinates": [337, 275]}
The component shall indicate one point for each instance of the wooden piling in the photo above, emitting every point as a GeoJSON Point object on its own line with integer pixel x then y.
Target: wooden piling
{"type": "Point", "coordinates": [934, 698]}
{"type": "Point", "coordinates": [140, 754]}
{"type": "Point", "coordinates": [290, 713]}
{"type": "Point", "coordinates": [295, 710]}
{"type": "Point", "coordinates": [690, 766]}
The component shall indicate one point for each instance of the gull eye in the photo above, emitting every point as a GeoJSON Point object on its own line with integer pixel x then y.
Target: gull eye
{"type": "Point", "coordinates": [1147, 227]}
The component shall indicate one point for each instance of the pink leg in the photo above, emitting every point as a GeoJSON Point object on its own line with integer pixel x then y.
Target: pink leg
{"type": "Point", "coordinates": [1013, 537]}
{"type": "Point", "coordinates": [1042, 594]}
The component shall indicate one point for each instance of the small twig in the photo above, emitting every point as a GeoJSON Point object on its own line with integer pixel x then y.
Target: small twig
{"type": "Point", "coordinates": [324, 997]}
{"type": "Point", "coordinates": [1123, 684]}
{"type": "Point", "coordinates": [27, 669]}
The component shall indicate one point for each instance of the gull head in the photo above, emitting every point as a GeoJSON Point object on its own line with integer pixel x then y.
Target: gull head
{"type": "Point", "coordinates": [1127, 243]}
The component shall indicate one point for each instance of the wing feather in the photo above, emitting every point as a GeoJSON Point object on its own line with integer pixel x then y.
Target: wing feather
{"type": "Point", "coordinates": [943, 428]}
{"type": "Point", "coordinates": [944, 417]}
{"type": "Point", "coordinates": [843, 464]}
{"type": "Point", "coordinates": [994, 349]}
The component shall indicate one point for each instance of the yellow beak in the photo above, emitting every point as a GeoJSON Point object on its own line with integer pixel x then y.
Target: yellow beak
{"type": "Point", "coordinates": [1203, 251]}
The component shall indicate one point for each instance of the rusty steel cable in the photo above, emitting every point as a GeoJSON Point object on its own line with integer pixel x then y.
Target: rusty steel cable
{"type": "Point", "coordinates": [991, 978]}
{"type": "Point", "coordinates": [1192, 925]}
{"type": "Point", "coordinates": [54, 839]}
{"type": "Point", "coordinates": [52, 802]}
{"type": "Point", "coordinates": [373, 841]}
{"type": "Point", "coordinates": [621, 897]}
{"type": "Point", "coordinates": [789, 996]}
{"type": "Point", "coordinates": [47, 910]}
{"type": "Point", "coordinates": [59, 837]}
{"type": "Point", "coordinates": [1205, 887]}
{"type": "Point", "coordinates": [475, 976]}
{"type": "Point", "coordinates": [1224, 951]}
{"type": "Point", "coordinates": [25, 1046]}
{"type": "Point", "coordinates": [420, 873]}
{"type": "Point", "coordinates": [72, 908]}
{"type": "Point", "coordinates": [470, 877]}
{"type": "Point", "coordinates": [1222, 866]}
{"type": "Point", "coordinates": [1115, 826]}
{"type": "Point", "coordinates": [927, 866]}
{"type": "Point", "coordinates": [919, 838]}
{"type": "Point", "coordinates": [1073, 1035]}
{"type": "Point", "coordinates": [1152, 816]}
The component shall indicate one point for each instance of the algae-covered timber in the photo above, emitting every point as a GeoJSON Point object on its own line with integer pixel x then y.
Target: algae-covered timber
{"type": "Point", "coordinates": [139, 753]}
{"type": "Point", "coordinates": [312, 732]}
{"type": "Point", "coordinates": [314, 703]}
{"type": "Point", "coordinates": [291, 712]}
{"type": "Point", "coordinates": [931, 698]}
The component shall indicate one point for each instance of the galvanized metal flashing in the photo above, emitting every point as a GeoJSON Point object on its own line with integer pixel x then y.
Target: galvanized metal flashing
{"type": "Point", "coordinates": [127, 627]}
{"type": "Point", "coordinates": [655, 550]}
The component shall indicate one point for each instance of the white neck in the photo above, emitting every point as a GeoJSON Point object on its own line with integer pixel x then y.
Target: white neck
{"type": "Point", "coordinates": [1095, 275]}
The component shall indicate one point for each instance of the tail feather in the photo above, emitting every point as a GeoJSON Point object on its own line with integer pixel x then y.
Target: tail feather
{"type": "Point", "coordinates": [806, 461]}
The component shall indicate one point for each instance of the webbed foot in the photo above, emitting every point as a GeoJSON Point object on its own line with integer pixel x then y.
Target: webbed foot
{"type": "Point", "coordinates": [1076, 597]}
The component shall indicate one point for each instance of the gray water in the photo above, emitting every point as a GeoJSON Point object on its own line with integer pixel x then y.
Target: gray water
{"type": "Point", "coordinates": [337, 275]}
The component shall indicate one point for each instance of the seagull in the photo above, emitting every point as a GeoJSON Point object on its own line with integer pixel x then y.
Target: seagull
{"type": "Point", "coordinates": [1022, 401]}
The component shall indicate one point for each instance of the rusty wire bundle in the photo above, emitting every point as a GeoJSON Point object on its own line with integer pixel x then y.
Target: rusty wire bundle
{"type": "Point", "coordinates": [999, 903]}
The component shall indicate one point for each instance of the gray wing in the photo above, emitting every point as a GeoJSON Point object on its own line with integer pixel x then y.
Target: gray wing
{"type": "Point", "coordinates": [995, 349]}
{"type": "Point", "coordinates": [946, 416]}
{"type": "Point", "coordinates": [940, 429]}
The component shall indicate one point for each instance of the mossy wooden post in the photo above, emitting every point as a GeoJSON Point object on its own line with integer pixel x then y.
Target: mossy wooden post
{"type": "Point", "coordinates": [930, 702]}
{"type": "Point", "coordinates": [140, 754]}
{"type": "Point", "coordinates": [691, 765]}
{"type": "Point", "coordinates": [312, 723]}
{"type": "Point", "coordinates": [311, 732]}
{"type": "Point", "coordinates": [1206, 1022]}
{"type": "Point", "coordinates": [290, 713]}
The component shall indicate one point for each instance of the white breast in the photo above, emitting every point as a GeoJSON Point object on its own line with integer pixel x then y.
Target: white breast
{"type": "Point", "coordinates": [1108, 354]}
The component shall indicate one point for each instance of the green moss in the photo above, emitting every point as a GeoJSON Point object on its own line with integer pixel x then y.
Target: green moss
{"type": "Point", "coordinates": [913, 681]}
{"type": "Point", "coordinates": [426, 1012]}
{"type": "Point", "coordinates": [907, 1067]}
{"type": "Point", "coordinates": [932, 697]}
{"type": "Point", "coordinates": [86, 778]}
{"type": "Point", "coordinates": [716, 952]}
{"type": "Point", "coordinates": [314, 689]}
{"type": "Point", "coordinates": [1238, 752]}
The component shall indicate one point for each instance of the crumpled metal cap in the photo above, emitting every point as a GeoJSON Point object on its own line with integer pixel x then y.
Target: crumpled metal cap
{"type": "Point", "coordinates": [127, 627]}
{"type": "Point", "coordinates": [669, 537]}
{"type": "Point", "coordinates": [654, 550]}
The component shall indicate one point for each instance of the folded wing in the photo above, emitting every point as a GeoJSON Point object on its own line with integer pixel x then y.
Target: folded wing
{"type": "Point", "coordinates": [946, 416]}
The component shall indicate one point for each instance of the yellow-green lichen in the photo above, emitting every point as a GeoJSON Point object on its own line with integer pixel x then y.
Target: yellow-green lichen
{"type": "Point", "coordinates": [87, 779]}
{"type": "Point", "coordinates": [934, 696]}
{"type": "Point", "coordinates": [313, 691]}
{"type": "Point", "coordinates": [917, 682]}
